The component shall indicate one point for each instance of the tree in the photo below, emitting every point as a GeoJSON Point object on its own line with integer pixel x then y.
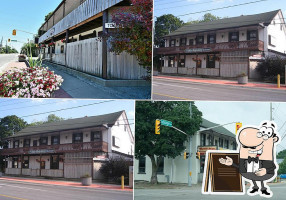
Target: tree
{"type": "Point", "coordinates": [164, 25]}
{"type": "Point", "coordinates": [282, 167]}
{"type": "Point", "coordinates": [206, 18]}
{"type": "Point", "coordinates": [8, 50]}
{"type": "Point", "coordinates": [49, 119]}
{"type": "Point", "coordinates": [281, 154]}
{"type": "Point", "coordinates": [134, 32]}
{"type": "Point", "coordinates": [26, 49]}
{"type": "Point", "coordinates": [170, 143]}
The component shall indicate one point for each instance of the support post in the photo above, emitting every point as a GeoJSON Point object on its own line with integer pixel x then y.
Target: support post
{"type": "Point", "coordinates": [278, 81]}
{"type": "Point", "coordinates": [40, 165]}
{"type": "Point", "coordinates": [66, 46]}
{"type": "Point", "coordinates": [122, 182]}
{"type": "Point", "coordinates": [104, 45]}
{"type": "Point", "coordinates": [21, 165]}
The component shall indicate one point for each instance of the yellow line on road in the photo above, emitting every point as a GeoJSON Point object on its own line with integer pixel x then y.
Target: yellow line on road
{"type": "Point", "coordinates": [165, 95]}
{"type": "Point", "coordinates": [12, 197]}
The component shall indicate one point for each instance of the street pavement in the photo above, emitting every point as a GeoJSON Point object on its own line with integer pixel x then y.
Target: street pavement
{"type": "Point", "coordinates": [5, 59]}
{"type": "Point", "coordinates": [34, 190]}
{"type": "Point", "coordinates": [176, 88]}
{"type": "Point", "coordinates": [194, 192]}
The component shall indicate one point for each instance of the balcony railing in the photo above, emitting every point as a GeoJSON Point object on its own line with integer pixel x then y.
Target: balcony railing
{"type": "Point", "coordinates": [60, 148]}
{"type": "Point", "coordinates": [85, 11]}
{"type": "Point", "coordinates": [217, 47]}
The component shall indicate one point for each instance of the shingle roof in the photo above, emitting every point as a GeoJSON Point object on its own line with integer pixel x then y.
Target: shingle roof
{"type": "Point", "coordinates": [244, 20]}
{"type": "Point", "coordinates": [220, 129]}
{"type": "Point", "coordinates": [70, 124]}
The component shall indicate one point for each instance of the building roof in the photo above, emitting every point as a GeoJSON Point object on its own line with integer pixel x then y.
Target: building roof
{"type": "Point", "coordinates": [220, 129]}
{"type": "Point", "coordinates": [244, 20]}
{"type": "Point", "coordinates": [70, 124]}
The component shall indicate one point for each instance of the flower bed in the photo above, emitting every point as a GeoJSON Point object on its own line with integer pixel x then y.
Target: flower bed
{"type": "Point", "coordinates": [33, 82]}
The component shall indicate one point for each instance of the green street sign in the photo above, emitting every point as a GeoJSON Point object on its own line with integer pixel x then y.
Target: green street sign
{"type": "Point", "coordinates": [166, 123]}
{"type": "Point", "coordinates": [13, 40]}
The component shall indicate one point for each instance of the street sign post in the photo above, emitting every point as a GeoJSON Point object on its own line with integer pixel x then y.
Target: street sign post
{"type": "Point", "coordinates": [166, 123]}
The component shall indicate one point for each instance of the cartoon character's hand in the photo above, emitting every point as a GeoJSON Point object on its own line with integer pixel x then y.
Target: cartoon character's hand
{"type": "Point", "coordinates": [228, 161]}
{"type": "Point", "coordinates": [261, 172]}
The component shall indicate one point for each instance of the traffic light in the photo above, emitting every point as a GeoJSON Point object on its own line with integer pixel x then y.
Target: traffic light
{"type": "Point", "coordinates": [237, 127]}
{"type": "Point", "coordinates": [157, 126]}
{"type": "Point", "coordinates": [14, 32]}
{"type": "Point", "coordinates": [186, 155]}
{"type": "Point", "coordinates": [198, 155]}
{"type": "Point", "coordinates": [9, 40]}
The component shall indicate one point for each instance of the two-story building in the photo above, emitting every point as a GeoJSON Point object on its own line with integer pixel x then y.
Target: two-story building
{"type": "Point", "coordinates": [75, 35]}
{"type": "Point", "coordinates": [69, 148]}
{"type": "Point", "coordinates": [176, 170]}
{"type": "Point", "coordinates": [226, 47]}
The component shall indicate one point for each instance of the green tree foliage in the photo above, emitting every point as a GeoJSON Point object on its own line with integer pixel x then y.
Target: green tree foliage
{"type": "Point", "coordinates": [281, 154]}
{"type": "Point", "coordinates": [46, 18]}
{"type": "Point", "coordinates": [282, 167]}
{"type": "Point", "coordinates": [271, 67]}
{"type": "Point", "coordinates": [170, 143]}
{"type": "Point", "coordinates": [8, 50]}
{"type": "Point", "coordinates": [26, 49]}
{"type": "Point", "coordinates": [49, 119]}
{"type": "Point", "coordinates": [206, 18]}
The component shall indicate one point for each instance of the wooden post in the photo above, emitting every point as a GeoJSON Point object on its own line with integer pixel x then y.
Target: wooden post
{"type": "Point", "coordinates": [178, 59]}
{"type": "Point", "coordinates": [278, 81]}
{"type": "Point", "coordinates": [63, 165]}
{"type": "Point", "coordinates": [21, 164]}
{"type": "Point", "coordinates": [104, 46]}
{"type": "Point", "coordinates": [66, 46]}
{"type": "Point", "coordinates": [40, 164]}
{"type": "Point", "coordinates": [122, 182]}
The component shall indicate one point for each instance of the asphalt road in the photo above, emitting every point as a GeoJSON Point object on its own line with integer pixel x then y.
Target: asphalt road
{"type": "Point", "coordinates": [195, 193]}
{"type": "Point", "coordinates": [166, 89]}
{"type": "Point", "coordinates": [6, 58]}
{"type": "Point", "coordinates": [13, 190]}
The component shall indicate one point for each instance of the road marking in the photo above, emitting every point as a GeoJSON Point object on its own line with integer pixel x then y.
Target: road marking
{"type": "Point", "coordinates": [12, 197]}
{"type": "Point", "coordinates": [165, 95]}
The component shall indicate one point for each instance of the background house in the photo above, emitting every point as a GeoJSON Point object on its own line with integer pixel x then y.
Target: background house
{"type": "Point", "coordinates": [69, 148]}
{"type": "Point", "coordinates": [225, 47]}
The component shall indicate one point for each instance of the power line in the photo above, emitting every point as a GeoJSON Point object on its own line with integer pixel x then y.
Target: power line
{"type": "Point", "coordinates": [190, 4]}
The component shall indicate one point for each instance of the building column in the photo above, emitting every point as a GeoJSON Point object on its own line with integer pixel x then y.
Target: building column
{"type": "Point", "coordinates": [40, 164]}
{"type": "Point", "coordinates": [104, 45]}
{"type": "Point", "coordinates": [66, 46]}
{"type": "Point", "coordinates": [21, 165]}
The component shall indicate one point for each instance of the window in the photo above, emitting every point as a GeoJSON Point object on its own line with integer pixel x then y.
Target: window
{"type": "Point", "coordinates": [44, 141]}
{"type": "Point", "coordinates": [212, 39]}
{"type": "Point", "coordinates": [15, 162]}
{"type": "Point", "coordinates": [171, 61]}
{"type": "Point", "coordinates": [234, 145]}
{"type": "Point", "coordinates": [182, 61]}
{"type": "Point", "coordinates": [16, 144]}
{"type": "Point", "coordinates": [25, 162]}
{"type": "Point", "coordinates": [55, 159]}
{"type": "Point", "coordinates": [233, 36]}
{"type": "Point", "coordinates": [271, 40]}
{"type": "Point", "coordinates": [226, 144]}
{"type": "Point", "coordinates": [62, 49]}
{"type": "Point", "coordinates": [96, 136]}
{"type": "Point", "coordinates": [215, 142]}
{"type": "Point", "coordinates": [200, 40]}
{"type": "Point", "coordinates": [220, 142]}
{"type": "Point", "coordinates": [203, 139]}
{"type": "Point", "coordinates": [172, 43]}
{"type": "Point", "coordinates": [26, 142]}
{"type": "Point", "coordinates": [55, 140]}
{"type": "Point", "coordinates": [191, 42]}
{"type": "Point", "coordinates": [183, 41]}
{"type": "Point", "coordinates": [53, 49]}
{"type": "Point", "coordinates": [115, 141]}
{"type": "Point", "coordinates": [35, 143]}
{"type": "Point", "coordinates": [142, 165]}
{"type": "Point", "coordinates": [49, 50]}
{"type": "Point", "coordinates": [42, 164]}
{"type": "Point", "coordinates": [210, 61]}
{"type": "Point", "coordinates": [77, 137]}
{"type": "Point", "coordinates": [160, 165]}
{"type": "Point", "coordinates": [252, 35]}
{"type": "Point", "coordinates": [210, 139]}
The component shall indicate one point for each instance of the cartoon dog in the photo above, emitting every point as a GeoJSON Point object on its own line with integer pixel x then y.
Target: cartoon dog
{"type": "Point", "coordinates": [256, 151]}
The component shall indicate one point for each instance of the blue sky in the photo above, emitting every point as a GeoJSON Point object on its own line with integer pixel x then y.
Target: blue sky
{"type": "Point", "coordinates": [25, 107]}
{"type": "Point", "coordinates": [181, 7]}
{"type": "Point", "coordinates": [23, 15]}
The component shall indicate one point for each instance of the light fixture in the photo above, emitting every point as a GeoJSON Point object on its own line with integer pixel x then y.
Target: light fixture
{"type": "Point", "coordinates": [221, 36]}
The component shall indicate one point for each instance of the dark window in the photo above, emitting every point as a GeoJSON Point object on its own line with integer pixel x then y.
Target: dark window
{"type": "Point", "coordinates": [191, 42]}
{"type": "Point", "coordinates": [49, 50]}
{"type": "Point", "coordinates": [220, 142]}
{"type": "Point", "coordinates": [44, 141]}
{"type": "Point", "coordinates": [211, 139]}
{"type": "Point", "coordinates": [234, 145]}
{"type": "Point", "coordinates": [142, 165]}
{"type": "Point", "coordinates": [172, 43]}
{"type": "Point", "coordinates": [25, 162]}
{"type": "Point", "coordinates": [16, 144]}
{"type": "Point", "coordinates": [171, 61]}
{"type": "Point", "coordinates": [210, 61]}
{"type": "Point", "coordinates": [252, 35]}
{"type": "Point", "coordinates": [233, 36]}
{"type": "Point", "coordinates": [43, 164]}
{"type": "Point", "coordinates": [271, 40]}
{"type": "Point", "coordinates": [35, 143]}
{"type": "Point", "coordinates": [77, 137]}
{"type": "Point", "coordinates": [200, 39]}
{"type": "Point", "coordinates": [15, 162]}
{"type": "Point", "coordinates": [55, 140]}
{"type": "Point", "coordinates": [226, 144]}
{"type": "Point", "coordinates": [115, 141]}
{"type": "Point", "coordinates": [182, 61]}
{"type": "Point", "coordinates": [53, 49]}
{"type": "Point", "coordinates": [96, 136]}
{"type": "Point", "coordinates": [183, 41]}
{"type": "Point", "coordinates": [215, 142]}
{"type": "Point", "coordinates": [55, 159]}
{"type": "Point", "coordinates": [202, 164]}
{"type": "Point", "coordinates": [212, 39]}
{"type": "Point", "coordinates": [62, 49]}
{"type": "Point", "coordinates": [100, 33]}
{"type": "Point", "coordinates": [160, 163]}
{"type": "Point", "coordinates": [203, 139]}
{"type": "Point", "coordinates": [199, 63]}
{"type": "Point", "coordinates": [26, 142]}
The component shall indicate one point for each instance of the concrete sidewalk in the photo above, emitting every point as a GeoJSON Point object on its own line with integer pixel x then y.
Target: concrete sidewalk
{"type": "Point", "coordinates": [67, 183]}
{"type": "Point", "coordinates": [222, 82]}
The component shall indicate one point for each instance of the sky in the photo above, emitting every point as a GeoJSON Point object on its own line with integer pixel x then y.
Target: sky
{"type": "Point", "coordinates": [23, 15]}
{"type": "Point", "coordinates": [248, 113]}
{"type": "Point", "coordinates": [181, 7]}
{"type": "Point", "coordinates": [25, 107]}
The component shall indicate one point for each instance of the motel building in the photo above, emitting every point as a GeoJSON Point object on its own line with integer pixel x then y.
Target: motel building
{"type": "Point", "coordinates": [70, 148]}
{"type": "Point", "coordinates": [176, 170]}
{"type": "Point", "coordinates": [73, 37]}
{"type": "Point", "coordinates": [226, 47]}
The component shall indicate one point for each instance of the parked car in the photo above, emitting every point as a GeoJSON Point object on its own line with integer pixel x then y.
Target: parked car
{"type": "Point", "coordinates": [22, 58]}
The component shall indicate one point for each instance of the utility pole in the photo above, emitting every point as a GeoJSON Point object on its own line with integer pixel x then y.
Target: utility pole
{"type": "Point", "coordinates": [190, 153]}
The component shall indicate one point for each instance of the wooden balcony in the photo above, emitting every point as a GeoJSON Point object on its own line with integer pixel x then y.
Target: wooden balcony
{"type": "Point", "coordinates": [83, 12]}
{"type": "Point", "coordinates": [61, 148]}
{"type": "Point", "coordinates": [218, 47]}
